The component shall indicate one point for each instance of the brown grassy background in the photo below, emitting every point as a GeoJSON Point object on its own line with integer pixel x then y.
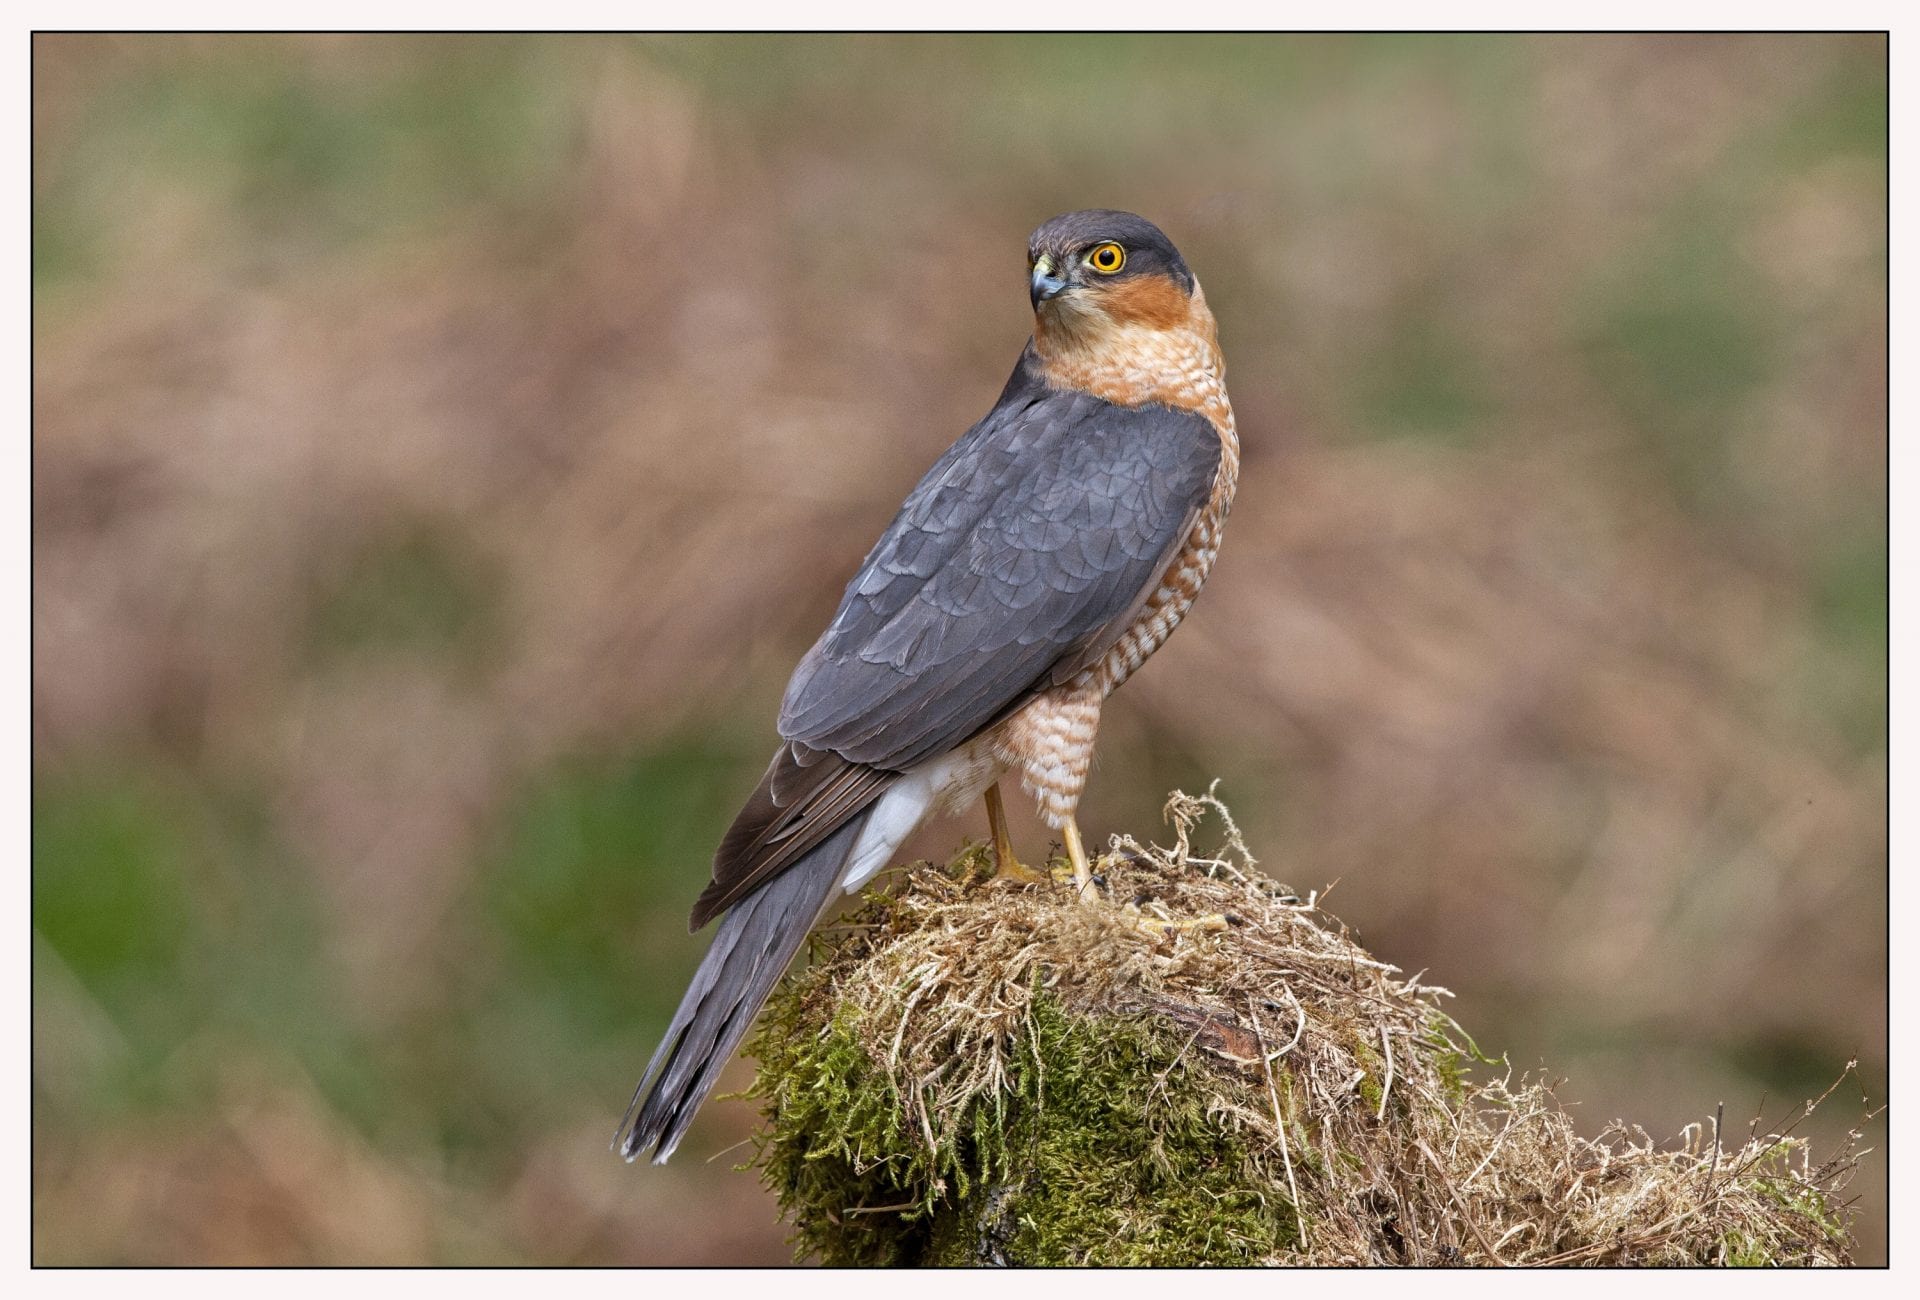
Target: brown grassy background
{"type": "Point", "coordinates": [445, 446]}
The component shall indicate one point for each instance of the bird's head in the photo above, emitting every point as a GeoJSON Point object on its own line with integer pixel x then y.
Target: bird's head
{"type": "Point", "coordinates": [1097, 274]}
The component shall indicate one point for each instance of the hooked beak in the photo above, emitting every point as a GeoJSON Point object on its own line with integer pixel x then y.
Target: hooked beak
{"type": "Point", "coordinates": [1045, 285]}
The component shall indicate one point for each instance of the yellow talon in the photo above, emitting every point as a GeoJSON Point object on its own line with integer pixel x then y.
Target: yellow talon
{"type": "Point", "coordinates": [1006, 865]}
{"type": "Point", "coordinates": [1009, 867]}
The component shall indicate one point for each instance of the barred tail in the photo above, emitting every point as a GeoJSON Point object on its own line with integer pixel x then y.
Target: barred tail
{"type": "Point", "coordinates": [751, 949]}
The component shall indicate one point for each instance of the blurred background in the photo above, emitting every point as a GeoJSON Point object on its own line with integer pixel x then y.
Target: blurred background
{"type": "Point", "coordinates": [445, 446]}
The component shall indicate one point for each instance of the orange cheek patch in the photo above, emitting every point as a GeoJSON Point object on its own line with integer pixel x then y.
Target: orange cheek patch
{"type": "Point", "coordinates": [1153, 301]}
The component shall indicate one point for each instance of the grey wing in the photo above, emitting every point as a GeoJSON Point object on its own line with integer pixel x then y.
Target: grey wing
{"type": "Point", "coordinates": [1025, 545]}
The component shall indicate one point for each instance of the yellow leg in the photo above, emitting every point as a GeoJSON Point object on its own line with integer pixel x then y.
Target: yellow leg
{"type": "Point", "coordinates": [1154, 927]}
{"type": "Point", "coordinates": [1077, 854]}
{"type": "Point", "coordinates": [1006, 865]}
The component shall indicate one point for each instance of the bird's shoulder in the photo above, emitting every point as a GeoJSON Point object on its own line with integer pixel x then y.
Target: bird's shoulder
{"type": "Point", "coordinates": [1044, 466]}
{"type": "Point", "coordinates": [1033, 530]}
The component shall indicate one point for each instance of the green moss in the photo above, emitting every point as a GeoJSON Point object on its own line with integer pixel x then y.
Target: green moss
{"type": "Point", "coordinates": [1108, 1174]}
{"type": "Point", "coordinates": [1379, 1082]}
{"type": "Point", "coordinates": [1369, 1091]}
{"type": "Point", "coordinates": [1808, 1212]}
{"type": "Point", "coordinates": [1794, 1194]}
{"type": "Point", "coordinates": [1451, 1053]}
{"type": "Point", "coordinates": [1792, 1239]}
{"type": "Point", "coordinates": [978, 1073]}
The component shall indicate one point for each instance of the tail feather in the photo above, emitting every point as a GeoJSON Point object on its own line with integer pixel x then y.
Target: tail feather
{"type": "Point", "coordinates": [751, 950]}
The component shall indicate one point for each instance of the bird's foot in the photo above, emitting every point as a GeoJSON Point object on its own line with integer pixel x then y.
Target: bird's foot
{"type": "Point", "coordinates": [1057, 871]}
{"type": "Point", "coordinates": [1008, 867]}
{"type": "Point", "coordinates": [1082, 876]}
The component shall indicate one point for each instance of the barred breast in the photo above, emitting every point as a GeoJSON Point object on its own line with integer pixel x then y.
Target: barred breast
{"type": "Point", "coordinates": [1184, 577]}
{"type": "Point", "coordinates": [1049, 741]}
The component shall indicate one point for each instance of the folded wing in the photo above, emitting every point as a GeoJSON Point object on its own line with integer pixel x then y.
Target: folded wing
{"type": "Point", "coordinates": [1021, 556]}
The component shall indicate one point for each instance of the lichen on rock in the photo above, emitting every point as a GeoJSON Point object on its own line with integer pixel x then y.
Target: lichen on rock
{"type": "Point", "coordinates": [973, 1071]}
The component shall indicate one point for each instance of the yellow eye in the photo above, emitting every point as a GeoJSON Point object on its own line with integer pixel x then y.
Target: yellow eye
{"type": "Point", "coordinates": [1107, 258]}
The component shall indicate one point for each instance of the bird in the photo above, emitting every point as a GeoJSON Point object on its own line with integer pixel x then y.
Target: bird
{"type": "Point", "coordinates": [1037, 565]}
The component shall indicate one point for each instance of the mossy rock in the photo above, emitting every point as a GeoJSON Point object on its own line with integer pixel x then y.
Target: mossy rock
{"type": "Point", "coordinates": [1071, 1164]}
{"type": "Point", "coordinates": [1198, 1068]}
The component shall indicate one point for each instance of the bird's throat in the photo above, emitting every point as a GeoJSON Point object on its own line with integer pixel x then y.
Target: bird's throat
{"type": "Point", "coordinates": [1137, 360]}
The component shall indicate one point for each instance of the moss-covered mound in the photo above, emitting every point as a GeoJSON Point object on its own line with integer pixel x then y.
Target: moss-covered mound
{"type": "Point", "coordinates": [974, 1071]}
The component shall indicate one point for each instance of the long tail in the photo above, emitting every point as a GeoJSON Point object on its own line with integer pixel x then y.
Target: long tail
{"type": "Point", "coordinates": [750, 951]}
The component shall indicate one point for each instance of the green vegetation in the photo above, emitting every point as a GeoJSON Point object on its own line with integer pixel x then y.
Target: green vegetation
{"type": "Point", "coordinates": [444, 447]}
{"type": "Point", "coordinates": [980, 1073]}
{"type": "Point", "coordinates": [138, 874]}
{"type": "Point", "coordinates": [591, 883]}
{"type": "Point", "coordinates": [306, 152]}
{"type": "Point", "coordinates": [416, 589]}
{"type": "Point", "coordinates": [1075, 1162]}
{"type": "Point", "coordinates": [1422, 384]}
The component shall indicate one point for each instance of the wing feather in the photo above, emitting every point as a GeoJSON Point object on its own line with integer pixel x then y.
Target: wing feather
{"type": "Point", "coordinates": [1021, 556]}
{"type": "Point", "coordinates": [804, 797]}
{"type": "Point", "coordinates": [1036, 533]}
